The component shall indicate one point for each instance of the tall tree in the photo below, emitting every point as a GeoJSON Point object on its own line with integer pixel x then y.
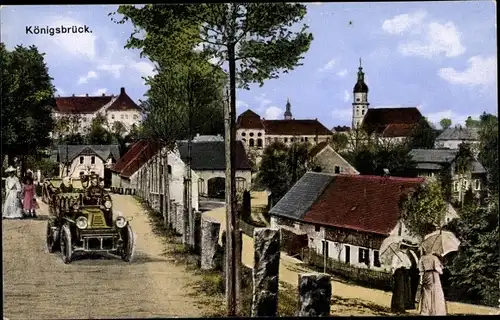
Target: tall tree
{"type": "Point", "coordinates": [340, 141]}
{"type": "Point", "coordinates": [27, 101]}
{"type": "Point", "coordinates": [472, 123]}
{"type": "Point", "coordinates": [423, 135]}
{"type": "Point", "coordinates": [488, 149]}
{"type": "Point", "coordinates": [98, 132]}
{"type": "Point", "coordinates": [463, 166]}
{"type": "Point", "coordinates": [445, 123]}
{"type": "Point", "coordinates": [257, 42]}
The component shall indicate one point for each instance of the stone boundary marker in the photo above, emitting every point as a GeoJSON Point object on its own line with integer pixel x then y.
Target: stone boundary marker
{"type": "Point", "coordinates": [315, 293]}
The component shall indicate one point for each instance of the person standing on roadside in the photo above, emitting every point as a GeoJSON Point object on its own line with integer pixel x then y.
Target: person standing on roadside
{"type": "Point", "coordinates": [12, 206]}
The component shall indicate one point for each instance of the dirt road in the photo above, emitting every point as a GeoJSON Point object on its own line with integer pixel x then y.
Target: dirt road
{"type": "Point", "coordinates": [349, 300]}
{"type": "Point", "coordinates": [38, 285]}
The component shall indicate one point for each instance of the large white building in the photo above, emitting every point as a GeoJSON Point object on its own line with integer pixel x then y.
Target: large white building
{"type": "Point", "coordinates": [85, 108]}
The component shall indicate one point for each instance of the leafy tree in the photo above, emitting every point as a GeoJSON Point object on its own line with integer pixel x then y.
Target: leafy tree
{"type": "Point", "coordinates": [488, 149]}
{"type": "Point", "coordinates": [475, 270]}
{"type": "Point", "coordinates": [472, 123]}
{"type": "Point", "coordinates": [340, 141]}
{"type": "Point", "coordinates": [445, 123]}
{"type": "Point", "coordinates": [98, 134]}
{"type": "Point", "coordinates": [463, 166]}
{"type": "Point", "coordinates": [27, 101]}
{"type": "Point", "coordinates": [423, 136]}
{"type": "Point", "coordinates": [424, 209]}
{"type": "Point", "coordinates": [74, 139]}
{"type": "Point", "coordinates": [281, 166]}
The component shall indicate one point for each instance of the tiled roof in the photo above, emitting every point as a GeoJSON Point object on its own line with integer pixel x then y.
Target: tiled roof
{"type": "Point", "coordinates": [295, 127]}
{"type": "Point", "coordinates": [425, 157]}
{"type": "Point", "coordinates": [75, 105]}
{"type": "Point", "coordinates": [140, 153]}
{"type": "Point", "coordinates": [362, 203]}
{"type": "Point", "coordinates": [301, 196]}
{"type": "Point", "coordinates": [70, 152]}
{"type": "Point", "coordinates": [249, 120]}
{"type": "Point", "coordinates": [341, 129]}
{"type": "Point", "coordinates": [211, 155]}
{"type": "Point", "coordinates": [398, 130]}
{"type": "Point", "coordinates": [206, 138]}
{"type": "Point", "coordinates": [123, 103]}
{"type": "Point", "coordinates": [376, 120]}
{"type": "Point", "coordinates": [459, 133]}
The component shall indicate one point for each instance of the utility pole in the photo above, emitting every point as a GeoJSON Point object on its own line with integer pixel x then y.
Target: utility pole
{"type": "Point", "coordinates": [191, 236]}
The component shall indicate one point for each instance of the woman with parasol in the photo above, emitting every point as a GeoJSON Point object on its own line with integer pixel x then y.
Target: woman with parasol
{"type": "Point", "coordinates": [12, 206]}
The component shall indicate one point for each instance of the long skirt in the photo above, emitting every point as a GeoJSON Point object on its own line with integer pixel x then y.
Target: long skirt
{"type": "Point", "coordinates": [401, 292]}
{"type": "Point", "coordinates": [432, 302]}
{"type": "Point", "coordinates": [12, 206]}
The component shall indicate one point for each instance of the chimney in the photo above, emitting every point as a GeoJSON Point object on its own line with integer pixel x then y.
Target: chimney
{"type": "Point", "coordinates": [122, 90]}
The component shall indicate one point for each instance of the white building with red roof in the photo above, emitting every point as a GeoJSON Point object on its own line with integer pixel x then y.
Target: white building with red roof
{"type": "Point", "coordinates": [115, 108]}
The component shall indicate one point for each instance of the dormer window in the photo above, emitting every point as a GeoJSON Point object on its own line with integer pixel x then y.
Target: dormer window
{"type": "Point", "coordinates": [81, 160]}
{"type": "Point", "coordinates": [92, 160]}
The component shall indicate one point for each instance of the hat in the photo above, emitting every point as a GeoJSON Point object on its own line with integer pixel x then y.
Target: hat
{"type": "Point", "coordinates": [10, 169]}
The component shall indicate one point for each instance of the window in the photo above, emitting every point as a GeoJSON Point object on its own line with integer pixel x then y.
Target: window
{"type": "Point", "coordinates": [337, 169]}
{"type": "Point", "coordinates": [347, 254]}
{"type": "Point", "coordinates": [317, 228]}
{"type": "Point", "coordinates": [243, 134]}
{"type": "Point", "coordinates": [286, 140]}
{"type": "Point", "coordinates": [251, 134]}
{"type": "Point", "coordinates": [82, 173]}
{"type": "Point", "coordinates": [259, 134]}
{"type": "Point", "coordinates": [362, 112]}
{"type": "Point", "coordinates": [259, 143]}
{"type": "Point", "coordinates": [112, 116]}
{"type": "Point", "coordinates": [81, 160]}
{"type": "Point", "coordinates": [477, 184]}
{"type": "Point", "coordinates": [92, 160]}
{"type": "Point", "coordinates": [122, 117]}
{"type": "Point", "coordinates": [358, 99]}
{"type": "Point", "coordinates": [201, 186]}
{"type": "Point", "coordinates": [135, 117]}
{"type": "Point", "coordinates": [376, 258]}
{"type": "Point", "coordinates": [169, 169]}
{"type": "Point", "coordinates": [465, 184]}
{"type": "Point", "coordinates": [241, 184]}
{"type": "Point", "coordinates": [455, 186]}
{"type": "Point", "coordinates": [251, 143]}
{"type": "Point", "coordinates": [364, 256]}
{"type": "Point", "coordinates": [305, 138]}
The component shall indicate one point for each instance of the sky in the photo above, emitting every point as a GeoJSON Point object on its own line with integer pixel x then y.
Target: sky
{"type": "Point", "coordinates": [440, 57]}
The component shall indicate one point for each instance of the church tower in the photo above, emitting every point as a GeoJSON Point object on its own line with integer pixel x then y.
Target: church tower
{"type": "Point", "coordinates": [288, 111]}
{"type": "Point", "coordinates": [360, 103]}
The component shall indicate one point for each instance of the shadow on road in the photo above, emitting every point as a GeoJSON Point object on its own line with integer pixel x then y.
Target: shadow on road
{"type": "Point", "coordinates": [93, 258]}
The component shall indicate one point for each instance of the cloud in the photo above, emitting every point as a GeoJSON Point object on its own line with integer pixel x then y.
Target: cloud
{"type": "Point", "coordinates": [263, 101]}
{"type": "Point", "coordinates": [273, 113]}
{"type": "Point", "coordinates": [146, 69]}
{"type": "Point", "coordinates": [342, 73]}
{"type": "Point", "coordinates": [347, 96]}
{"type": "Point", "coordinates": [344, 114]}
{"type": "Point", "coordinates": [241, 105]}
{"type": "Point", "coordinates": [328, 66]}
{"type": "Point", "coordinates": [100, 92]}
{"type": "Point", "coordinates": [60, 92]}
{"type": "Point", "coordinates": [456, 118]}
{"type": "Point", "coordinates": [77, 44]}
{"type": "Point", "coordinates": [481, 71]}
{"type": "Point", "coordinates": [428, 39]}
{"type": "Point", "coordinates": [85, 79]}
{"type": "Point", "coordinates": [114, 69]}
{"type": "Point", "coordinates": [404, 22]}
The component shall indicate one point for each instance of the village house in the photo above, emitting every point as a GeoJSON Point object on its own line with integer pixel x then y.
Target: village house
{"type": "Point", "coordinates": [325, 159]}
{"type": "Point", "coordinates": [256, 133]}
{"type": "Point", "coordinates": [431, 163]}
{"type": "Point", "coordinates": [208, 160]}
{"type": "Point", "coordinates": [142, 166]}
{"type": "Point", "coordinates": [452, 137]}
{"type": "Point", "coordinates": [77, 160]}
{"type": "Point", "coordinates": [119, 108]}
{"type": "Point", "coordinates": [346, 217]}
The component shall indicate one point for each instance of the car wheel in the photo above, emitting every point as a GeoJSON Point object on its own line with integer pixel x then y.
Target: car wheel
{"type": "Point", "coordinates": [128, 249]}
{"type": "Point", "coordinates": [66, 245]}
{"type": "Point", "coordinates": [52, 237]}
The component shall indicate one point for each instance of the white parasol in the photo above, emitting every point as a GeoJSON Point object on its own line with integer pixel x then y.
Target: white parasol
{"type": "Point", "coordinates": [10, 169]}
{"type": "Point", "coordinates": [390, 248]}
{"type": "Point", "coordinates": [440, 242]}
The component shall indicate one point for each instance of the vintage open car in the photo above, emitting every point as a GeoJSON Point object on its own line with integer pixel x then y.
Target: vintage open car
{"type": "Point", "coordinates": [84, 222]}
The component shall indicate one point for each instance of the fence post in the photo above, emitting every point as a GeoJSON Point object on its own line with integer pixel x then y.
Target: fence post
{"type": "Point", "coordinates": [315, 292]}
{"type": "Point", "coordinates": [209, 243]}
{"type": "Point", "coordinates": [265, 272]}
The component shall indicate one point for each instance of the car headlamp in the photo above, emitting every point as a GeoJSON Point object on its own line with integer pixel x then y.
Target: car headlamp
{"type": "Point", "coordinates": [82, 222]}
{"type": "Point", "coordinates": [120, 222]}
{"type": "Point", "coordinates": [107, 204]}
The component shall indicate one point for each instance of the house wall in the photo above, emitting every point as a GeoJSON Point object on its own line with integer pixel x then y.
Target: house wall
{"type": "Point", "coordinates": [330, 161]}
{"type": "Point", "coordinates": [452, 144]}
{"type": "Point", "coordinates": [84, 164]}
{"type": "Point", "coordinates": [205, 175]}
{"type": "Point", "coordinates": [116, 180]}
{"type": "Point", "coordinates": [128, 117]}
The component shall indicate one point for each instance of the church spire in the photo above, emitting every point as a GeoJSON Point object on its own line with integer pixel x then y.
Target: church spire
{"type": "Point", "coordinates": [360, 85]}
{"type": "Point", "coordinates": [288, 111]}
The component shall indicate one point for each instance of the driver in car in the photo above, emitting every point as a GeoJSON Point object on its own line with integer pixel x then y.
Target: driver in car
{"type": "Point", "coordinates": [94, 191]}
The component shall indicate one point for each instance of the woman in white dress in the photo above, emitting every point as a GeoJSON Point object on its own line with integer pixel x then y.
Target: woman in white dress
{"type": "Point", "coordinates": [12, 205]}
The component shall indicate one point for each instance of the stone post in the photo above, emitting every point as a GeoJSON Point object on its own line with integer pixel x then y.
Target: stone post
{"type": "Point", "coordinates": [179, 218]}
{"type": "Point", "coordinates": [265, 272]}
{"type": "Point", "coordinates": [315, 292]}
{"type": "Point", "coordinates": [209, 243]}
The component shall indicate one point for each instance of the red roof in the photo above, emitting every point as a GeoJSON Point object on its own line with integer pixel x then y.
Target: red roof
{"type": "Point", "coordinates": [398, 130]}
{"type": "Point", "coordinates": [362, 203]}
{"type": "Point", "coordinates": [140, 153]}
{"type": "Point", "coordinates": [123, 102]}
{"type": "Point", "coordinates": [377, 120]}
{"type": "Point", "coordinates": [249, 120]}
{"type": "Point", "coordinates": [71, 105]}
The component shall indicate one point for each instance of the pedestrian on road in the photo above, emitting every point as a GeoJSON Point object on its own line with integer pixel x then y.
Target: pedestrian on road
{"type": "Point", "coordinates": [28, 196]}
{"type": "Point", "coordinates": [12, 206]}
{"type": "Point", "coordinates": [401, 291]}
{"type": "Point", "coordinates": [432, 302]}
